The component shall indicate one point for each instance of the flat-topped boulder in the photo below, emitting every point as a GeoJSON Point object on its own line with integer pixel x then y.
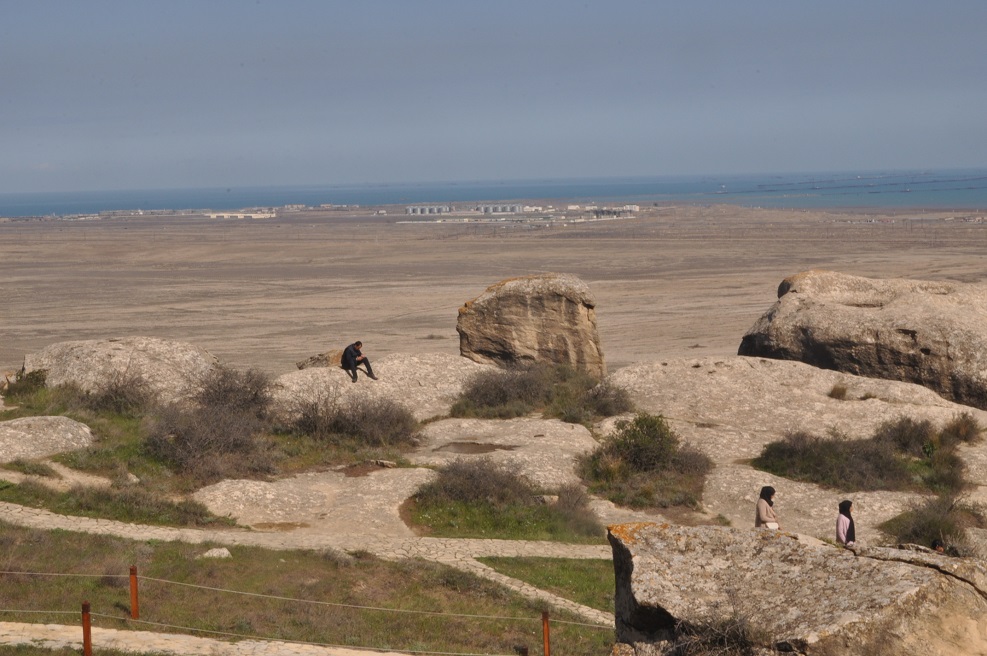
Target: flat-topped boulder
{"type": "Point", "coordinates": [730, 407]}
{"type": "Point", "coordinates": [427, 385]}
{"type": "Point", "coordinates": [545, 451]}
{"type": "Point", "coordinates": [541, 318]}
{"type": "Point", "coordinates": [796, 595]}
{"type": "Point", "coordinates": [40, 437]}
{"type": "Point", "coordinates": [926, 332]}
{"type": "Point", "coordinates": [172, 370]}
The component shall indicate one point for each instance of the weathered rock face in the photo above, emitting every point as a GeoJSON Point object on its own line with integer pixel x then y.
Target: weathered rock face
{"type": "Point", "coordinates": [427, 385]}
{"type": "Point", "coordinates": [930, 333]}
{"type": "Point", "coordinates": [38, 437]}
{"type": "Point", "coordinates": [730, 408]}
{"type": "Point", "coordinates": [543, 318]}
{"type": "Point", "coordinates": [332, 358]}
{"type": "Point", "coordinates": [173, 370]}
{"type": "Point", "coordinates": [802, 596]}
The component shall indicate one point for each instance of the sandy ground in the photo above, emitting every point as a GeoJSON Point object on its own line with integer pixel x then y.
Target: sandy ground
{"type": "Point", "coordinates": [672, 281]}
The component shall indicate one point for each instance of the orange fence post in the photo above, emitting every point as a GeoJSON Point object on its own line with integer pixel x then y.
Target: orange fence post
{"type": "Point", "coordinates": [545, 632]}
{"type": "Point", "coordinates": [135, 612]}
{"type": "Point", "coordinates": [87, 634]}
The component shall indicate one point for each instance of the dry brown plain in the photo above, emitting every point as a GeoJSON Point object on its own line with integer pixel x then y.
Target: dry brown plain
{"type": "Point", "coordinates": [674, 281]}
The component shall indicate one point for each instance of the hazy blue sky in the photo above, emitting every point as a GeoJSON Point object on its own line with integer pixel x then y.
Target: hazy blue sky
{"type": "Point", "coordinates": [149, 94]}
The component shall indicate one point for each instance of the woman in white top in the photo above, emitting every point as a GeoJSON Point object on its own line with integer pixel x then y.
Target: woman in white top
{"type": "Point", "coordinates": [764, 513]}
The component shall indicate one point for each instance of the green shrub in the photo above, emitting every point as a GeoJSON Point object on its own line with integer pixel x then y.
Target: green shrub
{"type": "Point", "coordinates": [835, 461]}
{"type": "Point", "coordinates": [901, 454]}
{"type": "Point", "coordinates": [644, 465]}
{"type": "Point", "coordinates": [480, 498]}
{"type": "Point", "coordinates": [608, 400]}
{"type": "Point", "coordinates": [944, 518]}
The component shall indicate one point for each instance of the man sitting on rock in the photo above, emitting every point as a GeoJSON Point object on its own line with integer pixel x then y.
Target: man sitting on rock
{"type": "Point", "coordinates": [352, 357]}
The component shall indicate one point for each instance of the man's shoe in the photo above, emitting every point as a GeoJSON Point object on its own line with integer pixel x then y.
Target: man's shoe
{"type": "Point", "coordinates": [354, 379]}
{"type": "Point", "coordinates": [372, 377]}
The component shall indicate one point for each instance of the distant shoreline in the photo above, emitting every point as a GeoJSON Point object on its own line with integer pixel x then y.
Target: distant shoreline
{"type": "Point", "coordinates": [962, 190]}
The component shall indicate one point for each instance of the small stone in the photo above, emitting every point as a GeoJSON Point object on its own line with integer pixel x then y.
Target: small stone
{"type": "Point", "coordinates": [219, 552]}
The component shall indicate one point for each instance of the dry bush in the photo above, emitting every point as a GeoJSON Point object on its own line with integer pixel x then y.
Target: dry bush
{"type": "Point", "coordinates": [900, 454]}
{"type": "Point", "coordinates": [125, 393]}
{"type": "Point", "coordinates": [373, 422]}
{"type": "Point", "coordinates": [838, 392]}
{"type": "Point", "coordinates": [209, 444]}
{"type": "Point", "coordinates": [943, 518]}
{"type": "Point", "coordinates": [477, 480]}
{"type": "Point", "coordinates": [243, 391]}
{"type": "Point", "coordinates": [560, 391]}
{"type": "Point", "coordinates": [25, 384]}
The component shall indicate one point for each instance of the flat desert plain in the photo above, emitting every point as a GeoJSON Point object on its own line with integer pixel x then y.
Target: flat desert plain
{"type": "Point", "coordinates": [670, 282]}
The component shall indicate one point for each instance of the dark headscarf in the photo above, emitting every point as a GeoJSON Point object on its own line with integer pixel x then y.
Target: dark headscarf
{"type": "Point", "coordinates": [845, 511]}
{"type": "Point", "coordinates": [766, 493]}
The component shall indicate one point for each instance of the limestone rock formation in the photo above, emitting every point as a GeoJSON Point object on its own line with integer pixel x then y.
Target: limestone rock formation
{"type": "Point", "coordinates": [333, 358]}
{"type": "Point", "coordinates": [427, 385]}
{"type": "Point", "coordinates": [930, 333]}
{"type": "Point", "coordinates": [543, 450]}
{"type": "Point", "coordinates": [797, 595]}
{"type": "Point", "coordinates": [173, 370]}
{"type": "Point", "coordinates": [541, 318]}
{"type": "Point", "coordinates": [730, 407]}
{"type": "Point", "coordinates": [38, 437]}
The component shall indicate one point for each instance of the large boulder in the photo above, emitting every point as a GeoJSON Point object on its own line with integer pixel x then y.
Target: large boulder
{"type": "Point", "coordinates": [930, 333]}
{"type": "Point", "coordinates": [794, 594]}
{"type": "Point", "coordinates": [427, 385]}
{"type": "Point", "coordinates": [172, 370]}
{"type": "Point", "coordinates": [541, 318]}
{"type": "Point", "coordinates": [40, 437]}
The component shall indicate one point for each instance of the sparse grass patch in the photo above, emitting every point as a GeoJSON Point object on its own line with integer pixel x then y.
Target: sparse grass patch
{"type": "Point", "coordinates": [130, 504]}
{"type": "Point", "coordinates": [361, 580]}
{"type": "Point", "coordinates": [643, 464]}
{"type": "Point", "coordinates": [587, 582]}
{"type": "Point", "coordinates": [483, 499]}
{"type": "Point", "coordinates": [902, 454]}
{"type": "Point", "coordinates": [31, 468]}
{"type": "Point", "coordinates": [557, 391]}
{"type": "Point", "coordinates": [944, 518]}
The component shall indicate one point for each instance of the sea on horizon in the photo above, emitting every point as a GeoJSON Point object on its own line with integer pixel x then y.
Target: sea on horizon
{"type": "Point", "coordinates": [944, 189]}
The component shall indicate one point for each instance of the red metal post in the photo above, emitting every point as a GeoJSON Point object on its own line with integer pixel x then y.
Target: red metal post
{"type": "Point", "coordinates": [135, 612]}
{"type": "Point", "coordinates": [87, 634]}
{"type": "Point", "coordinates": [545, 632]}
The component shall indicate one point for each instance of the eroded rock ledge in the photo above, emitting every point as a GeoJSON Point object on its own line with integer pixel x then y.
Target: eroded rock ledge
{"type": "Point", "coordinates": [802, 595]}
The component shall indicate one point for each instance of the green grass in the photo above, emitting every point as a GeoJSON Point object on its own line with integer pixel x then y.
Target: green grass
{"type": "Point", "coordinates": [512, 521]}
{"type": "Point", "coordinates": [587, 582]}
{"type": "Point", "coordinates": [330, 577]}
{"type": "Point", "coordinates": [31, 468]}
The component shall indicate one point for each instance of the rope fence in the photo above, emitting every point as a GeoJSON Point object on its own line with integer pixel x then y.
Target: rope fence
{"type": "Point", "coordinates": [134, 617]}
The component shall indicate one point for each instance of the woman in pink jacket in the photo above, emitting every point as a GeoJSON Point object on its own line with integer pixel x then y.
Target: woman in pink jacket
{"type": "Point", "coordinates": [845, 533]}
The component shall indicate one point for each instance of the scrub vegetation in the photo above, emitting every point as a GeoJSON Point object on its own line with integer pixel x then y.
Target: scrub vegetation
{"type": "Point", "coordinates": [644, 464]}
{"type": "Point", "coordinates": [556, 391]}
